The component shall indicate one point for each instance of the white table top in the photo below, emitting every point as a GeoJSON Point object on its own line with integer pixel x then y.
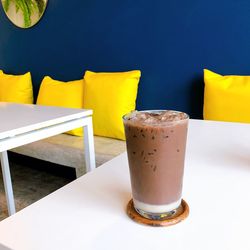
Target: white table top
{"type": "Point", "coordinates": [89, 213]}
{"type": "Point", "coordinates": [22, 118]}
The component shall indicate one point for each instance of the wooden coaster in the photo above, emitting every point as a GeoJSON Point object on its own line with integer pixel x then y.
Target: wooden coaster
{"type": "Point", "coordinates": [157, 223]}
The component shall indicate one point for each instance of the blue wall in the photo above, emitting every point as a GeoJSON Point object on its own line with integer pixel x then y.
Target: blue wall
{"type": "Point", "coordinates": [170, 41]}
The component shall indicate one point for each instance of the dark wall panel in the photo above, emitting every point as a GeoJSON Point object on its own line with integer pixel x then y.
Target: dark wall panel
{"type": "Point", "coordinates": [170, 41]}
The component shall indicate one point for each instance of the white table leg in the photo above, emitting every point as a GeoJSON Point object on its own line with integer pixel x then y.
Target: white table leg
{"type": "Point", "coordinates": [7, 182]}
{"type": "Point", "coordinates": [89, 145]}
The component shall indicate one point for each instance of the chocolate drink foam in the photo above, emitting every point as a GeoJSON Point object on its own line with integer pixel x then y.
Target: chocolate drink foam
{"type": "Point", "coordinates": [156, 143]}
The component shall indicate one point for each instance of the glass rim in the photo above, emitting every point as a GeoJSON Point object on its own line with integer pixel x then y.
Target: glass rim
{"type": "Point", "coordinates": [126, 116]}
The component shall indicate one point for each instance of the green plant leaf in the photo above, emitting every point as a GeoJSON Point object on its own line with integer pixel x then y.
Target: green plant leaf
{"type": "Point", "coordinates": [17, 8]}
{"type": "Point", "coordinates": [41, 6]}
{"type": "Point", "coordinates": [29, 4]}
{"type": "Point", "coordinates": [6, 5]}
{"type": "Point", "coordinates": [25, 10]}
{"type": "Point", "coordinates": [34, 7]}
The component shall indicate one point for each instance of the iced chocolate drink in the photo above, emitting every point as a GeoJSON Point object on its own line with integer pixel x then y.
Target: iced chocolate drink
{"type": "Point", "coordinates": [156, 142]}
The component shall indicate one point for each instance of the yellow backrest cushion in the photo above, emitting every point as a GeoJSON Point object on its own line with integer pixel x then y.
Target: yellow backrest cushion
{"type": "Point", "coordinates": [226, 98]}
{"type": "Point", "coordinates": [16, 88]}
{"type": "Point", "coordinates": [110, 95]}
{"type": "Point", "coordinates": [62, 94]}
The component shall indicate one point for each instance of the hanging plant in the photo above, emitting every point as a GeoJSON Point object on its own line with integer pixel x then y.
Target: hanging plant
{"type": "Point", "coordinates": [30, 10]}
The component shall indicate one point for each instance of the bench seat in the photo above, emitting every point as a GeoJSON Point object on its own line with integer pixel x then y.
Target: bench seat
{"type": "Point", "coordinates": [68, 150]}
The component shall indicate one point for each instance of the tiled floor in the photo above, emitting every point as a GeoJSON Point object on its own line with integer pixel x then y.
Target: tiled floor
{"type": "Point", "coordinates": [32, 180]}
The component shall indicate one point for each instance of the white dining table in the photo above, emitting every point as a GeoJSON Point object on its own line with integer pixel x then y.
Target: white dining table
{"type": "Point", "coordinates": [21, 124]}
{"type": "Point", "coordinates": [90, 212]}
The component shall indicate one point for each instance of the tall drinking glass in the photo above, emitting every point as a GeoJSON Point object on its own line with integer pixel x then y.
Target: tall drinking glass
{"type": "Point", "coordinates": [156, 143]}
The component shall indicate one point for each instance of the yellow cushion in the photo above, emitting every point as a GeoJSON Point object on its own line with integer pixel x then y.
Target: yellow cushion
{"type": "Point", "coordinates": [226, 98]}
{"type": "Point", "coordinates": [110, 95]}
{"type": "Point", "coordinates": [62, 94]}
{"type": "Point", "coordinates": [16, 88]}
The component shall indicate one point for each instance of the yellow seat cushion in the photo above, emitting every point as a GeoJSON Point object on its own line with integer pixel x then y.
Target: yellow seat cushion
{"type": "Point", "coordinates": [226, 98]}
{"type": "Point", "coordinates": [110, 95]}
{"type": "Point", "coordinates": [16, 88]}
{"type": "Point", "coordinates": [62, 94]}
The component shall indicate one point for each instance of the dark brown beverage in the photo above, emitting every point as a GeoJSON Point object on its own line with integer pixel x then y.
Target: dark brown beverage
{"type": "Point", "coordinates": [156, 142]}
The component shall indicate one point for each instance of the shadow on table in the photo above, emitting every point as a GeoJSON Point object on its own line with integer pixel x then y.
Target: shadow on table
{"type": "Point", "coordinates": [2, 247]}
